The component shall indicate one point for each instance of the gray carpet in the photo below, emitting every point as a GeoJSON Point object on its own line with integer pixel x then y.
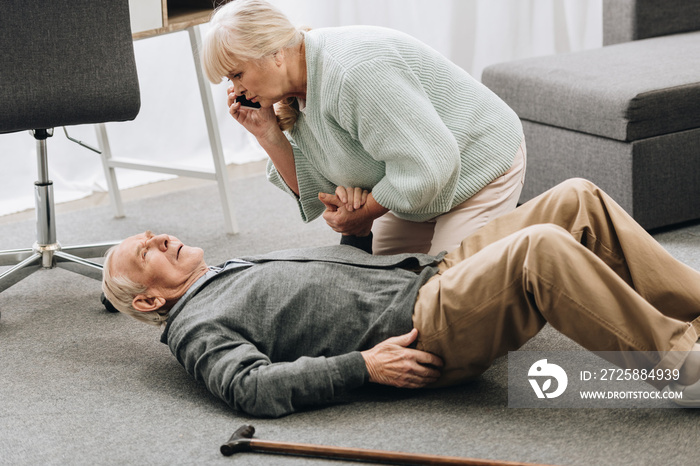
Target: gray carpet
{"type": "Point", "coordinates": [79, 385]}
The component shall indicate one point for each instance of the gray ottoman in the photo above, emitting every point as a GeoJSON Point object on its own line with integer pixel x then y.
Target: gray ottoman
{"type": "Point", "coordinates": [625, 116]}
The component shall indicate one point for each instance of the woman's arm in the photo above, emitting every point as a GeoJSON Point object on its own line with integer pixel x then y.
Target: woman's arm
{"type": "Point", "coordinates": [280, 151]}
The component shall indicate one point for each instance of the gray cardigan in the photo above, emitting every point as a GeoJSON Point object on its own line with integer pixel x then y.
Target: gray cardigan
{"type": "Point", "coordinates": [284, 331]}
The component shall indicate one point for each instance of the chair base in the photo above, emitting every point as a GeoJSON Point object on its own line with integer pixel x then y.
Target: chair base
{"type": "Point", "coordinates": [47, 253]}
{"type": "Point", "coordinates": [24, 262]}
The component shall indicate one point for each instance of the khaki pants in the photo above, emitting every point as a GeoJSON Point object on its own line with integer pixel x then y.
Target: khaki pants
{"type": "Point", "coordinates": [394, 235]}
{"type": "Point", "coordinates": [571, 257]}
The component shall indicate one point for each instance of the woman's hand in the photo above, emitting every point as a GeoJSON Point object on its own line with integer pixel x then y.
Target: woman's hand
{"type": "Point", "coordinates": [354, 198]}
{"type": "Point", "coordinates": [351, 211]}
{"type": "Point", "coordinates": [391, 362]}
{"type": "Point", "coordinates": [260, 122]}
{"type": "Point", "coordinates": [343, 217]}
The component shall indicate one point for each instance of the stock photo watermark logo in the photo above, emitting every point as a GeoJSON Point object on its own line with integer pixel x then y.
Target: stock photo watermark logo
{"type": "Point", "coordinates": [543, 372]}
{"type": "Point", "coordinates": [586, 379]}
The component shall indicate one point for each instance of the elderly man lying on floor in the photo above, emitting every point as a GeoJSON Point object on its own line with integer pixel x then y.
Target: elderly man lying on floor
{"type": "Point", "coordinates": [276, 333]}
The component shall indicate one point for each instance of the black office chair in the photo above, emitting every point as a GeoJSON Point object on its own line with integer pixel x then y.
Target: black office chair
{"type": "Point", "coordinates": [62, 62]}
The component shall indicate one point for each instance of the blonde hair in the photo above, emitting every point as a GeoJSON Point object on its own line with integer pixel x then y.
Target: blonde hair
{"type": "Point", "coordinates": [121, 291]}
{"type": "Point", "coordinates": [243, 31]}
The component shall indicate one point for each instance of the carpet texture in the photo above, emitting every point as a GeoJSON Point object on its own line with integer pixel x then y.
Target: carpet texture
{"type": "Point", "coordinates": [79, 385]}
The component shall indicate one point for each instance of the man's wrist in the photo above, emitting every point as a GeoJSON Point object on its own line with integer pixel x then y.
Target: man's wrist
{"type": "Point", "coordinates": [369, 363]}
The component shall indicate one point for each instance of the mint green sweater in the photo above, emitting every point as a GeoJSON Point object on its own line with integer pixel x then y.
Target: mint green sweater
{"type": "Point", "coordinates": [387, 113]}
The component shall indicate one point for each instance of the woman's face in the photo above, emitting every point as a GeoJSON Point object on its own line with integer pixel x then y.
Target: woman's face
{"type": "Point", "coordinates": [263, 81]}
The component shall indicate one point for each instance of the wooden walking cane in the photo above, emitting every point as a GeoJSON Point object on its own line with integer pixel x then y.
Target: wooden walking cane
{"type": "Point", "coordinates": [242, 440]}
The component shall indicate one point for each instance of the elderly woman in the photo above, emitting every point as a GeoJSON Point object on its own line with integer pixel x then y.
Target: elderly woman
{"type": "Point", "coordinates": [373, 110]}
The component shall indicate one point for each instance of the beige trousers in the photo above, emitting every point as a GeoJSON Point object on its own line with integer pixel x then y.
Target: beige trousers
{"type": "Point", "coordinates": [394, 235]}
{"type": "Point", "coordinates": [571, 257]}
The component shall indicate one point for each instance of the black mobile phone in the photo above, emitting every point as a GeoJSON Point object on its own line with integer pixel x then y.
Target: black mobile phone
{"type": "Point", "coordinates": [247, 103]}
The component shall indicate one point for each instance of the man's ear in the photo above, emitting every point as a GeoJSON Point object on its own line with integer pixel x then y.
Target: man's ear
{"type": "Point", "coordinates": [146, 303]}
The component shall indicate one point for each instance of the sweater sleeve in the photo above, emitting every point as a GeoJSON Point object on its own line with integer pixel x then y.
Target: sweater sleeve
{"type": "Point", "coordinates": [311, 182]}
{"type": "Point", "coordinates": [246, 380]}
{"type": "Point", "coordinates": [384, 106]}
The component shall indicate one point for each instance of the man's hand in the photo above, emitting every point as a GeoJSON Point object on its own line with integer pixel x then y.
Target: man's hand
{"type": "Point", "coordinates": [391, 362]}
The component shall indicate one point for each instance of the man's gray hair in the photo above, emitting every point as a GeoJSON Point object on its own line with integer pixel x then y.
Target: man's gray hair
{"type": "Point", "coordinates": [121, 291]}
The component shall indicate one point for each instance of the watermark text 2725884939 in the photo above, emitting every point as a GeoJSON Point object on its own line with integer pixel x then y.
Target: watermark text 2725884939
{"type": "Point", "coordinates": [583, 379]}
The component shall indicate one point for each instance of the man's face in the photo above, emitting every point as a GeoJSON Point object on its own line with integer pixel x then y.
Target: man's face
{"type": "Point", "coordinates": [160, 262]}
